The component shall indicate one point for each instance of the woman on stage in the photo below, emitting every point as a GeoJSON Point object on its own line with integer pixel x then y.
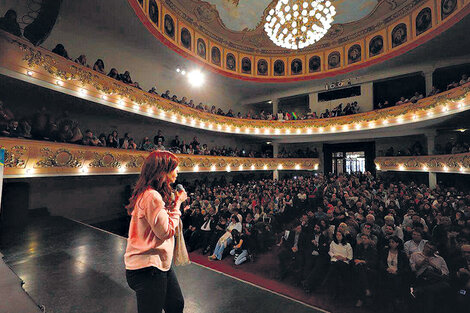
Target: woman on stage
{"type": "Point", "coordinates": [155, 217]}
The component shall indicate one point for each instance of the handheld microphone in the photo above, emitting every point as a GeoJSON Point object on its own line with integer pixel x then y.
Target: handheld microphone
{"type": "Point", "coordinates": [179, 188]}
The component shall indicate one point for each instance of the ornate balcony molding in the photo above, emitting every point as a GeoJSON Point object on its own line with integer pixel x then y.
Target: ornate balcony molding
{"type": "Point", "coordinates": [21, 60]}
{"type": "Point", "coordinates": [448, 163]}
{"type": "Point", "coordinates": [31, 158]}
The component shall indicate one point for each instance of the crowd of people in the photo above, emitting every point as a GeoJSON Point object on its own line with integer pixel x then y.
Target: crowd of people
{"type": "Point", "coordinates": [356, 236]}
{"type": "Point", "coordinates": [414, 150]}
{"type": "Point", "coordinates": [42, 125]}
{"type": "Point", "coordinates": [299, 153]}
{"type": "Point", "coordinates": [418, 95]}
{"type": "Point", "coordinates": [452, 147]}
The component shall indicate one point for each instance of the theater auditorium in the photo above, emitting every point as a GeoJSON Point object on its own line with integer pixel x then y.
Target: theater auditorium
{"type": "Point", "coordinates": [208, 156]}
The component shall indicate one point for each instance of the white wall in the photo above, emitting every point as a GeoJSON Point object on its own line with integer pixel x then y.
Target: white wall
{"type": "Point", "coordinates": [365, 100]}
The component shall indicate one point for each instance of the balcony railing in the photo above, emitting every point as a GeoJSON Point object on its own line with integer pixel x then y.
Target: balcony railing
{"type": "Point", "coordinates": [31, 158]}
{"type": "Point", "coordinates": [448, 163]}
{"type": "Point", "coordinates": [20, 59]}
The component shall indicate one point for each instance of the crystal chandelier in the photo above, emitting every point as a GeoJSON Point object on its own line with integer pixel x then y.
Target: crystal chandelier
{"type": "Point", "coordinates": [296, 24]}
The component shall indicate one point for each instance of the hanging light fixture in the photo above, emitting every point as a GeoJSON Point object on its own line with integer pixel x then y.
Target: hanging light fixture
{"type": "Point", "coordinates": [296, 24]}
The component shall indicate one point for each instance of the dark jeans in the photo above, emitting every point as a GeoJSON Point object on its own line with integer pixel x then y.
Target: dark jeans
{"type": "Point", "coordinates": [156, 290]}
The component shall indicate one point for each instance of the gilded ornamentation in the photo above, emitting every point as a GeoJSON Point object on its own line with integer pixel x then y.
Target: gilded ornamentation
{"type": "Point", "coordinates": [106, 160]}
{"type": "Point", "coordinates": [453, 163]}
{"type": "Point", "coordinates": [15, 156]}
{"type": "Point", "coordinates": [136, 161]}
{"type": "Point", "coordinates": [60, 158]}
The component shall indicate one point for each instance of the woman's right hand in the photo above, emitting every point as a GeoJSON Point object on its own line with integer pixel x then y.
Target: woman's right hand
{"type": "Point", "coordinates": [181, 196]}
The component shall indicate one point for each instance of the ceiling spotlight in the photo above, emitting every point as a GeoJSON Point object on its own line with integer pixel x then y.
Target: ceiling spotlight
{"type": "Point", "coordinates": [195, 78]}
{"type": "Point", "coordinates": [183, 72]}
{"type": "Point", "coordinates": [178, 70]}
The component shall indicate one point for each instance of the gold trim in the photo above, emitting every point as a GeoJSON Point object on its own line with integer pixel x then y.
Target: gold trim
{"type": "Point", "coordinates": [31, 158]}
{"type": "Point", "coordinates": [447, 163]}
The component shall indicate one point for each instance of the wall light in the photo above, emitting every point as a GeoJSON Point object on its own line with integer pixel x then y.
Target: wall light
{"type": "Point", "coordinates": [228, 168]}
{"type": "Point", "coordinates": [256, 130]}
{"type": "Point", "coordinates": [196, 168]}
{"type": "Point", "coordinates": [265, 167]}
{"type": "Point", "coordinates": [430, 113]}
{"type": "Point", "coordinates": [277, 131]}
{"type": "Point", "coordinates": [84, 170]}
{"type": "Point", "coordinates": [315, 167]}
{"type": "Point", "coordinates": [279, 167]}
{"type": "Point", "coordinates": [59, 82]}
{"type": "Point", "coordinates": [193, 122]}
{"type": "Point", "coordinates": [29, 171]}
{"type": "Point", "coordinates": [358, 126]}
{"type": "Point", "coordinates": [462, 169]}
{"type": "Point", "coordinates": [385, 122]}
{"type": "Point", "coordinates": [446, 168]}
{"type": "Point", "coordinates": [377, 166]}
{"type": "Point", "coordinates": [345, 127]}
{"type": "Point", "coordinates": [247, 130]}
{"type": "Point", "coordinates": [240, 168]}
{"type": "Point", "coordinates": [237, 130]}
{"type": "Point", "coordinates": [29, 73]}
{"type": "Point", "coordinates": [401, 168]}
{"type": "Point", "coordinates": [332, 128]}
{"type": "Point", "coordinates": [321, 129]}
{"type": "Point", "coordinates": [162, 114]}
{"type": "Point", "coordinates": [183, 120]}
{"type": "Point", "coordinates": [400, 119]}
{"type": "Point", "coordinates": [297, 167]}
{"type": "Point", "coordinates": [299, 131]}
{"type": "Point", "coordinates": [445, 109]}
{"type": "Point", "coordinates": [414, 117]}
{"type": "Point", "coordinates": [228, 128]}
{"type": "Point", "coordinates": [120, 102]}
{"type": "Point", "coordinates": [252, 167]}
{"type": "Point", "coordinates": [371, 124]}
{"type": "Point", "coordinates": [82, 91]}
{"type": "Point", "coordinates": [211, 126]}
{"type": "Point", "coordinates": [213, 168]}
{"type": "Point", "coordinates": [309, 131]}
{"type": "Point", "coordinates": [104, 97]}
{"type": "Point", "coordinates": [266, 131]}
{"type": "Point", "coordinates": [202, 124]}
{"type": "Point", "coordinates": [122, 169]}
{"type": "Point", "coordinates": [425, 168]}
{"type": "Point", "coordinates": [136, 106]}
{"type": "Point", "coordinates": [219, 127]}
{"type": "Point", "coordinates": [196, 78]}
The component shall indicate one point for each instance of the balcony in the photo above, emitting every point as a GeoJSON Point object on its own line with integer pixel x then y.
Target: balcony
{"type": "Point", "coordinates": [31, 158]}
{"type": "Point", "coordinates": [448, 163]}
{"type": "Point", "coordinates": [21, 60]}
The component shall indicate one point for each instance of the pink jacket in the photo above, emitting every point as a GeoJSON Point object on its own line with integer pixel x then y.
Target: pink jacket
{"type": "Point", "coordinates": [151, 233]}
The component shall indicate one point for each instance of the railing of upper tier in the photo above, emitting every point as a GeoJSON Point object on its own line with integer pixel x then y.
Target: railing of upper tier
{"type": "Point", "coordinates": [20, 59]}
{"type": "Point", "coordinates": [447, 163]}
{"type": "Point", "coordinates": [32, 158]}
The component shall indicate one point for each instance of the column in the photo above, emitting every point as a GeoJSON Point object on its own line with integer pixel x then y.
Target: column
{"type": "Point", "coordinates": [428, 81]}
{"type": "Point", "coordinates": [275, 154]}
{"type": "Point", "coordinates": [432, 180]}
{"type": "Point", "coordinates": [430, 142]}
{"type": "Point", "coordinates": [313, 102]}
{"type": "Point", "coordinates": [322, 161]}
{"type": "Point", "coordinates": [275, 105]}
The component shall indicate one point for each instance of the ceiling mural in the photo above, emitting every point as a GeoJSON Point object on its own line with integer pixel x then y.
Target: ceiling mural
{"type": "Point", "coordinates": [245, 15]}
{"type": "Point", "coordinates": [229, 37]}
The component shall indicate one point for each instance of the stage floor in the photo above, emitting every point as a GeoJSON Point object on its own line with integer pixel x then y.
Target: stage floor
{"type": "Point", "coordinates": [71, 267]}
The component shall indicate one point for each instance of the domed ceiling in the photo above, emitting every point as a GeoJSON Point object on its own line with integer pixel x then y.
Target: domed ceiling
{"type": "Point", "coordinates": [239, 23]}
{"type": "Point", "coordinates": [228, 36]}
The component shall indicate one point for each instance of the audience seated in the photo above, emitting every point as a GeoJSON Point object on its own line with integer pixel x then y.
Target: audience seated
{"type": "Point", "coordinates": [354, 250]}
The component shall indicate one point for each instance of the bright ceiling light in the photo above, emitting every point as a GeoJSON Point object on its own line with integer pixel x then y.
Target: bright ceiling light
{"type": "Point", "coordinates": [292, 24]}
{"type": "Point", "coordinates": [196, 78]}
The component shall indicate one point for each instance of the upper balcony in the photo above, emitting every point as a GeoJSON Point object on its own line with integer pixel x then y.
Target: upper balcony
{"type": "Point", "coordinates": [21, 60]}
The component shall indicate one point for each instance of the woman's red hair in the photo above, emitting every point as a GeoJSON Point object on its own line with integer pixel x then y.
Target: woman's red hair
{"type": "Point", "coordinates": [154, 175]}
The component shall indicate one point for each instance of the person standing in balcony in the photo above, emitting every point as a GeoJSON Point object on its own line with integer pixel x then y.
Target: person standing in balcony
{"type": "Point", "coordinates": [9, 24]}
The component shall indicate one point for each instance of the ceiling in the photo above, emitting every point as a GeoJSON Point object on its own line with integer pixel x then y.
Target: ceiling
{"type": "Point", "coordinates": [241, 22]}
{"type": "Point", "coordinates": [113, 32]}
